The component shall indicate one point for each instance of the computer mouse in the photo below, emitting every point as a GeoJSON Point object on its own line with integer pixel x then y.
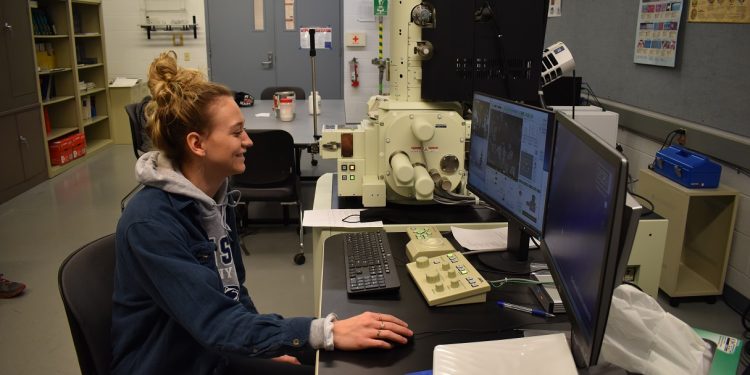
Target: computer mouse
{"type": "Point", "coordinates": [409, 340]}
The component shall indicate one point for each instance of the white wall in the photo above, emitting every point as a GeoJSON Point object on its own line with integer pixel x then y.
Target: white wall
{"type": "Point", "coordinates": [355, 20]}
{"type": "Point", "coordinates": [640, 153]}
{"type": "Point", "coordinates": [129, 52]}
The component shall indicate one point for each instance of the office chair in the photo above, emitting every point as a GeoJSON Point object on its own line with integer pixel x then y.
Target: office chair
{"type": "Point", "coordinates": [270, 177]}
{"type": "Point", "coordinates": [141, 140]}
{"type": "Point", "coordinates": [267, 93]}
{"type": "Point", "coordinates": [86, 282]}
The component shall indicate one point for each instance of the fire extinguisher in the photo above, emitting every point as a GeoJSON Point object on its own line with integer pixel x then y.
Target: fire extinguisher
{"type": "Point", "coordinates": [354, 72]}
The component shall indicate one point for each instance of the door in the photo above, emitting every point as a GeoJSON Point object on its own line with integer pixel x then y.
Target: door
{"type": "Point", "coordinates": [250, 60]}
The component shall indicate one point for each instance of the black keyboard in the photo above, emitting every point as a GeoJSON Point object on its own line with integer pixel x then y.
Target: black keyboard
{"type": "Point", "coordinates": [369, 264]}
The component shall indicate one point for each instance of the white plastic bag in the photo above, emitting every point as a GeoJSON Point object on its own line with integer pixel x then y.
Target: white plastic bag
{"type": "Point", "coordinates": [641, 337]}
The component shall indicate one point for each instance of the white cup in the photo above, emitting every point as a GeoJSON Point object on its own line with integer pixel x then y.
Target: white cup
{"type": "Point", "coordinates": [286, 109]}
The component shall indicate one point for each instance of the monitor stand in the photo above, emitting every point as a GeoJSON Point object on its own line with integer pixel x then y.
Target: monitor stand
{"type": "Point", "coordinates": [516, 258]}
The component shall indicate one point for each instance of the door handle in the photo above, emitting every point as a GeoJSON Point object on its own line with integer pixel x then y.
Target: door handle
{"type": "Point", "coordinates": [268, 64]}
{"type": "Point", "coordinates": [8, 27]}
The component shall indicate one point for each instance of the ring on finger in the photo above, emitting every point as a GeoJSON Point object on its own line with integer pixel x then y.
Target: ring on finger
{"type": "Point", "coordinates": [380, 317]}
{"type": "Point", "coordinates": [379, 333]}
{"type": "Point", "coordinates": [382, 324]}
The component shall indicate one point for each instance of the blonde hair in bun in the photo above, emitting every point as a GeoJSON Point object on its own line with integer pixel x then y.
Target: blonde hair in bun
{"type": "Point", "coordinates": [179, 98]}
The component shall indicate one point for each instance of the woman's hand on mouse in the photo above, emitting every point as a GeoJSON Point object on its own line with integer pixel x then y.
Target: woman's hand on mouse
{"type": "Point", "coordinates": [369, 330]}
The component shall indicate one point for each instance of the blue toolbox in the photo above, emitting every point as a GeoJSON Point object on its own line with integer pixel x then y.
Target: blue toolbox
{"type": "Point", "coordinates": [687, 168]}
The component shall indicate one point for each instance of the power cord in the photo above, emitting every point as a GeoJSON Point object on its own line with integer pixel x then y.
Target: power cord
{"type": "Point", "coordinates": [629, 187]}
{"type": "Point", "coordinates": [681, 135]}
{"type": "Point", "coordinates": [513, 280]}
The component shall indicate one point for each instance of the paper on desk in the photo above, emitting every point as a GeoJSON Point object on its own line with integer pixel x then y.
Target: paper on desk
{"type": "Point", "coordinates": [548, 354]}
{"type": "Point", "coordinates": [124, 82]}
{"type": "Point", "coordinates": [481, 239]}
{"type": "Point", "coordinates": [263, 114]}
{"type": "Point", "coordinates": [337, 218]}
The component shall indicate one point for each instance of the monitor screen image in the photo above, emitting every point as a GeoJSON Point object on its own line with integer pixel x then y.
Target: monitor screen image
{"type": "Point", "coordinates": [509, 160]}
{"type": "Point", "coordinates": [583, 224]}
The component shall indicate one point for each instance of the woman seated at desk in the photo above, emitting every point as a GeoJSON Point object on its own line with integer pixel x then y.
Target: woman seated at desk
{"type": "Point", "coordinates": [180, 305]}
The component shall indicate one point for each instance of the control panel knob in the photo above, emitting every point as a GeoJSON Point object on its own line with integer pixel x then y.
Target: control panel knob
{"type": "Point", "coordinates": [432, 276]}
{"type": "Point", "coordinates": [452, 274]}
{"type": "Point", "coordinates": [423, 262]}
{"type": "Point", "coordinates": [439, 287]}
{"type": "Point", "coordinates": [454, 283]}
{"type": "Point", "coordinates": [446, 267]}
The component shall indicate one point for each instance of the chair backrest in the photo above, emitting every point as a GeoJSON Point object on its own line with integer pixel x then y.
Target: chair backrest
{"type": "Point", "coordinates": [270, 160]}
{"type": "Point", "coordinates": [268, 92]}
{"type": "Point", "coordinates": [86, 282]}
{"type": "Point", "coordinates": [137, 117]}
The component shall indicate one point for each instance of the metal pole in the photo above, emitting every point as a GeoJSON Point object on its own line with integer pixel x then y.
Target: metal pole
{"type": "Point", "coordinates": [313, 97]}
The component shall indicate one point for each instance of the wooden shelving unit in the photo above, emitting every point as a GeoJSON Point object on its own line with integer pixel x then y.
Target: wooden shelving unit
{"type": "Point", "coordinates": [77, 44]}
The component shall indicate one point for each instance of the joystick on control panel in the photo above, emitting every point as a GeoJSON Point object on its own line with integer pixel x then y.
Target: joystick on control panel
{"type": "Point", "coordinates": [448, 279]}
{"type": "Point", "coordinates": [426, 241]}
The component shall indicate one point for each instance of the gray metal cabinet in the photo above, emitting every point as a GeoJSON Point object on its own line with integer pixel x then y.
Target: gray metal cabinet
{"type": "Point", "coordinates": [22, 147]}
{"type": "Point", "coordinates": [22, 152]}
{"type": "Point", "coordinates": [17, 80]}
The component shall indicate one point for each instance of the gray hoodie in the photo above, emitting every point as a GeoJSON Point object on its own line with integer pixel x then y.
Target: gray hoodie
{"type": "Point", "coordinates": [156, 170]}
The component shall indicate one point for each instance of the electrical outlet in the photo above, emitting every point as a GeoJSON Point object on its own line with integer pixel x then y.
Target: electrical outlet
{"type": "Point", "coordinates": [187, 56]}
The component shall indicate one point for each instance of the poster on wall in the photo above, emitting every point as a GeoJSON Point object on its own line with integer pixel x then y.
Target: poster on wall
{"type": "Point", "coordinates": [656, 32]}
{"type": "Point", "coordinates": [554, 8]}
{"type": "Point", "coordinates": [725, 11]}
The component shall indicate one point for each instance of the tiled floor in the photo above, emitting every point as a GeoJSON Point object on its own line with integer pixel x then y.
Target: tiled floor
{"type": "Point", "coordinates": [39, 228]}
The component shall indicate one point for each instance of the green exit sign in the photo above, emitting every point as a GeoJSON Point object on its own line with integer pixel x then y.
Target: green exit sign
{"type": "Point", "coordinates": [381, 7]}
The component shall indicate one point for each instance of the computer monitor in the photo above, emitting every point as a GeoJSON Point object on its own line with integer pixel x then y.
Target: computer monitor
{"type": "Point", "coordinates": [509, 163]}
{"type": "Point", "coordinates": [585, 231]}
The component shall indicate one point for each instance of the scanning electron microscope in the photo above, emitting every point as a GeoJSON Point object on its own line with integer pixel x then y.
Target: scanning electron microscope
{"type": "Point", "coordinates": [407, 147]}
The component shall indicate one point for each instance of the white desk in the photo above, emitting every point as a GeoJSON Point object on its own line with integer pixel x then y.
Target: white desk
{"type": "Point", "coordinates": [301, 128]}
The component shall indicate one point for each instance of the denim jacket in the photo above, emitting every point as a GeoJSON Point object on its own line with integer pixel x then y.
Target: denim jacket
{"type": "Point", "coordinates": [170, 313]}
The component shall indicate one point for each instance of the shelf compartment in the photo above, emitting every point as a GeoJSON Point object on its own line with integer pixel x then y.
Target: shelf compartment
{"type": "Point", "coordinates": [92, 91]}
{"type": "Point", "coordinates": [53, 71]}
{"type": "Point", "coordinates": [56, 36]}
{"type": "Point", "coordinates": [94, 120]}
{"type": "Point", "coordinates": [88, 66]}
{"type": "Point", "coordinates": [52, 53]}
{"type": "Point", "coordinates": [699, 236]}
{"type": "Point", "coordinates": [690, 283]}
{"type": "Point", "coordinates": [95, 145]}
{"type": "Point", "coordinates": [57, 14]}
{"type": "Point", "coordinates": [88, 51]}
{"type": "Point", "coordinates": [98, 131]}
{"type": "Point", "coordinates": [86, 20]}
{"type": "Point", "coordinates": [59, 132]}
{"type": "Point", "coordinates": [57, 99]}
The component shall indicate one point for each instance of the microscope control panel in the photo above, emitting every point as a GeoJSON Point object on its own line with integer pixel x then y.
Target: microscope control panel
{"type": "Point", "coordinates": [426, 241]}
{"type": "Point", "coordinates": [448, 279]}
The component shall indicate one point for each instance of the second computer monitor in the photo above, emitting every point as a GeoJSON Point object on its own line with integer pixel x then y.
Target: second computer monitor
{"type": "Point", "coordinates": [583, 239]}
{"type": "Point", "coordinates": [509, 161]}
